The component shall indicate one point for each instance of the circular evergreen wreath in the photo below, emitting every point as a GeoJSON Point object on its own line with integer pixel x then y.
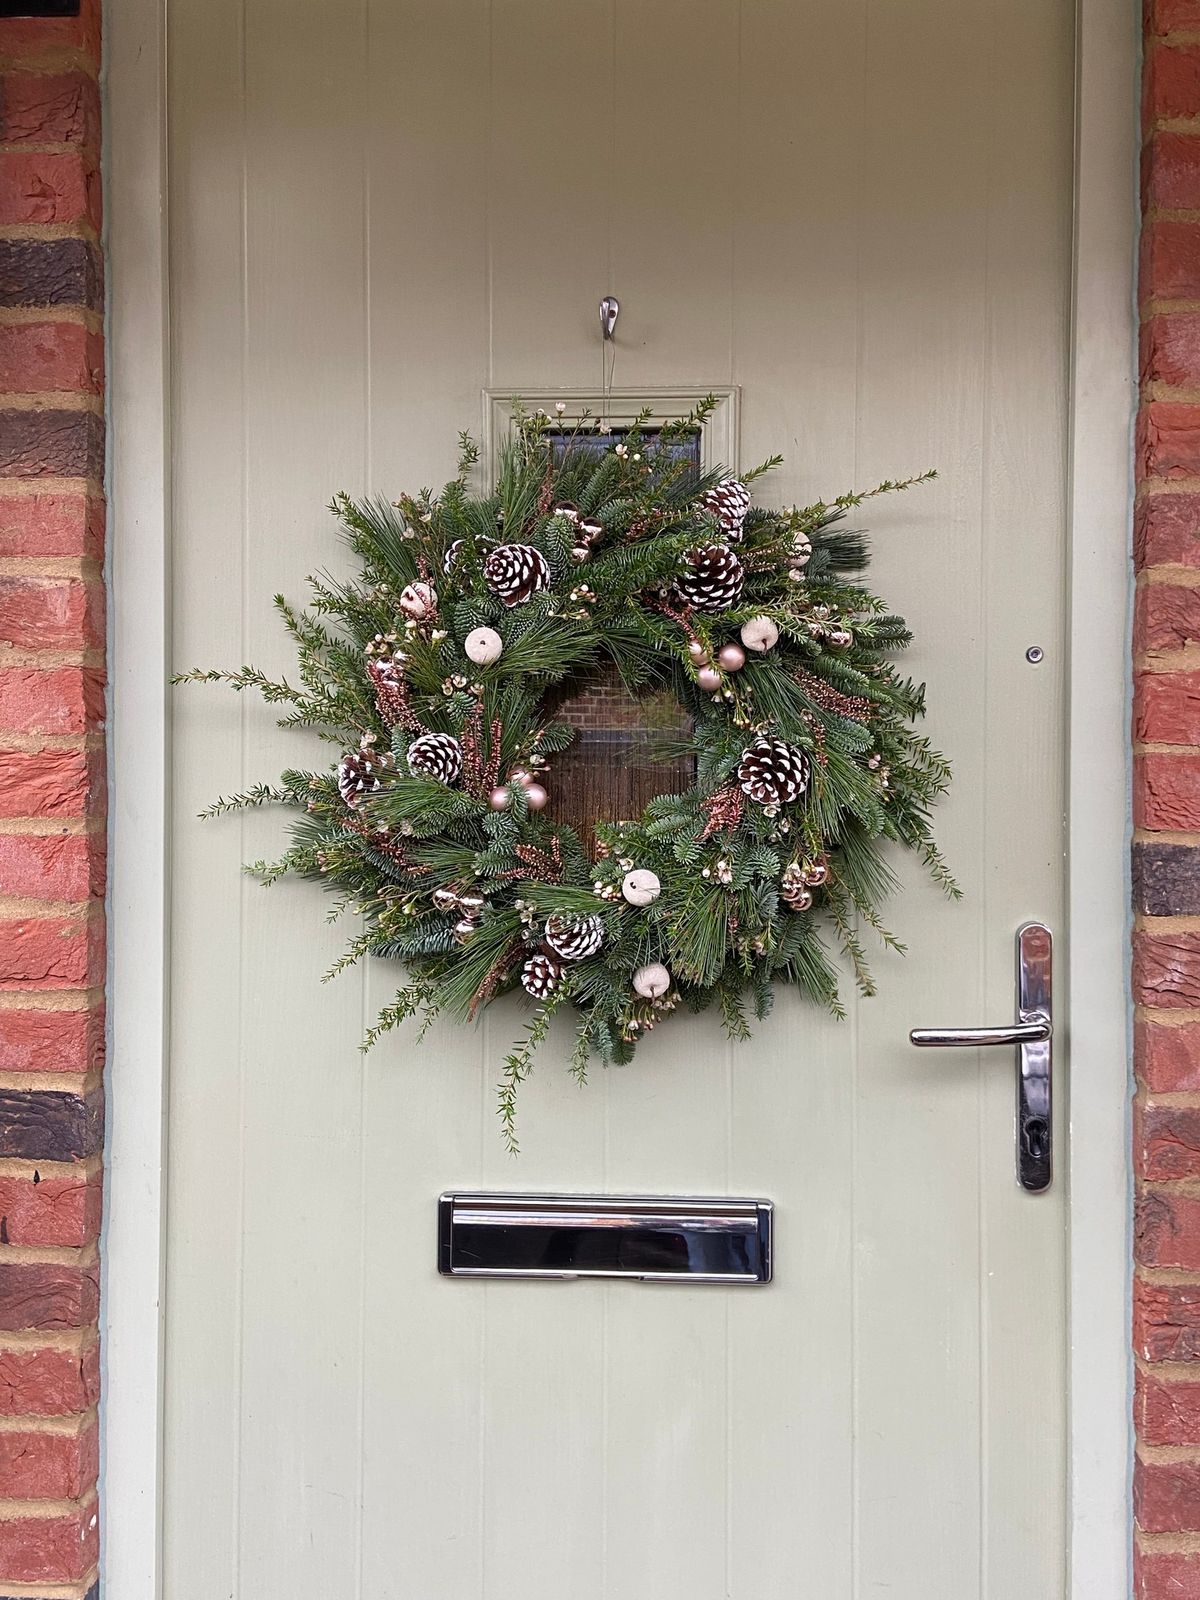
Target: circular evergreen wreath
{"type": "Point", "coordinates": [435, 674]}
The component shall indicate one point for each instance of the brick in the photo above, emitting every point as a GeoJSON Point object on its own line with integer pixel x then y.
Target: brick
{"type": "Point", "coordinates": [1169, 439]}
{"type": "Point", "coordinates": [52, 444]}
{"type": "Point", "coordinates": [1166, 791]}
{"type": "Point", "coordinates": [1162, 1575]}
{"type": "Point", "coordinates": [1171, 172]}
{"type": "Point", "coordinates": [1167, 1058]}
{"type": "Point", "coordinates": [1166, 529]}
{"type": "Point", "coordinates": [58, 1549]}
{"type": "Point", "coordinates": [48, 1466]}
{"type": "Point", "coordinates": [51, 524]}
{"type": "Point", "coordinates": [51, 953]}
{"type": "Point", "coordinates": [48, 1383]}
{"type": "Point", "coordinates": [52, 1041]}
{"type": "Point", "coordinates": [1166, 1412]}
{"type": "Point", "coordinates": [1170, 349]}
{"type": "Point", "coordinates": [57, 700]}
{"type": "Point", "coordinates": [42, 38]}
{"type": "Point", "coordinates": [50, 783]}
{"type": "Point", "coordinates": [49, 1211]}
{"type": "Point", "coordinates": [1171, 85]}
{"type": "Point", "coordinates": [47, 1295]}
{"type": "Point", "coordinates": [39, 357]}
{"type": "Point", "coordinates": [1167, 1142]}
{"type": "Point", "coordinates": [1166, 707]}
{"type": "Point", "coordinates": [64, 107]}
{"type": "Point", "coordinates": [1170, 260]}
{"type": "Point", "coordinates": [51, 613]}
{"type": "Point", "coordinates": [56, 866]}
{"type": "Point", "coordinates": [1167, 1230]}
{"type": "Point", "coordinates": [51, 272]}
{"type": "Point", "coordinates": [49, 186]}
{"type": "Point", "coordinates": [1172, 16]}
{"type": "Point", "coordinates": [1166, 1497]}
{"type": "Point", "coordinates": [1166, 879]}
{"type": "Point", "coordinates": [1166, 1321]}
{"type": "Point", "coordinates": [1166, 968]}
{"type": "Point", "coordinates": [1166, 617]}
{"type": "Point", "coordinates": [50, 1124]}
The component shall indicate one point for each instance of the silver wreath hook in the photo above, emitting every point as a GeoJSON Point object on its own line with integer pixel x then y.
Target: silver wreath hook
{"type": "Point", "coordinates": [610, 310]}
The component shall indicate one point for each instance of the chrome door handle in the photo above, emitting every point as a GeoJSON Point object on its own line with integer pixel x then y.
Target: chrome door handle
{"type": "Point", "coordinates": [1032, 1034]}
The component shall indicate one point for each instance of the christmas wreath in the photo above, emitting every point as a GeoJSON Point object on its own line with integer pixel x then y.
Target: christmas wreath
{"type": "Point", "coordinates": [437, 671]}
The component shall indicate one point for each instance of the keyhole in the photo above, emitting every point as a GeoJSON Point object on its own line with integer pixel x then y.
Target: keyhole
{"type": "Point", "coordinates": [1036, 1138]}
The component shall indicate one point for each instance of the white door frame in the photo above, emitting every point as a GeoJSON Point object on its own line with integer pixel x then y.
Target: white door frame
{"type": "Point", "coordinates": [1096, 968]}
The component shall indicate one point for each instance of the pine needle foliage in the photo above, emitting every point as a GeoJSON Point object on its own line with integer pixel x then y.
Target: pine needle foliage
{"type": "Point", "coordinates": [452, 867]}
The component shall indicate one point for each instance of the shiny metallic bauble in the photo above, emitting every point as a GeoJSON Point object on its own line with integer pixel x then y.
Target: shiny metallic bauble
{"type": "Point", "coordinates": [500, 799]}
{"type": "Point", "coordinates": [709, 679]}
{"type": "Point", "coordinates": [732, 657]}
{"type": "Point", "coordinates": [698, 652]}
{"type": "Point", "coordinates": [535, 796]}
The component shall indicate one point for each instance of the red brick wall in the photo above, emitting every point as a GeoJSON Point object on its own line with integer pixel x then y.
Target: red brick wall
{"type": "Point", "coordinates": [51, 801]}
{"type": "Point", "coordinates": [1166, 852]}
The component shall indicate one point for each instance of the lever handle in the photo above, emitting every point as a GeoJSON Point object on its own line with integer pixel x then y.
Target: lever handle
{"type": "Point", "coordinates": [1032, 1034]}
{"type": "Point", "coordinates": [1012, 1033]}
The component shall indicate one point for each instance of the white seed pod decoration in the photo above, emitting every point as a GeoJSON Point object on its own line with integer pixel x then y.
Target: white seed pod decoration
{"type": "Point", "coordinates": [641, 887]}
{"type": "Point", "coordinates": [418, 600]}
{"type": "Point", "coordinates": [483, 646]}
{"type": "Point", "coordinates": [652, 980]}
{"type": "Point", "coordinates": [759, 634]}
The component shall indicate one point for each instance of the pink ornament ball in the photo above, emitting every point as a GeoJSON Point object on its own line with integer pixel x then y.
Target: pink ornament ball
{"type": "Point", "coordinates": [732, 657]}
{"type": "Point", "coordinates": [535, 796]}
{"type": "Point", "coordinates": [698, 652]}
{"type": "Point", "coordinates": [500, 799]}
{"type": "Point", "coordinates": [709, 679]}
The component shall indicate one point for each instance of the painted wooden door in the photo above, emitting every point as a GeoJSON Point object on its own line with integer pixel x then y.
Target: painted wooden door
{"type": "Point", "coordinates": [860, 214]}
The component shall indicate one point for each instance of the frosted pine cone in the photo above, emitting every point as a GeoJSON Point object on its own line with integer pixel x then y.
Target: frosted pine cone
{"type": "Point", "coordinates": [453, 555]}
{"type": "Point", "coordinates": [713, 579]}
{"type": "Point", "coordinates": [793, 888]}
{"type": "Point", "coordinates": [436, 755]}
{"type": "Point", "coordinates": [729, 502]}
{"type": "Point", "coordinates": [515, 572]}
{"type": "Point", "coordinates": [574, 938]}
{"type": "Point", "coordinates": [773, 773]}
{"type": "Point", "coordinates": [540, 976]}
{"type": "Point", "coordinates": [358, 774]}
{"type": "Point", "coordinates": [387, 680]}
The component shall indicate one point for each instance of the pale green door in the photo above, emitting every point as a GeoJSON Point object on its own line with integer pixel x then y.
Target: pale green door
{"type": "Point", "coordinates": [860, 215]}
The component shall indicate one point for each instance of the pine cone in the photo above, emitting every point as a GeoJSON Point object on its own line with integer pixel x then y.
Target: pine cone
{"type": "Point", "coordinates": [436, 755]}
{"type": "Point", "coordinates": [358, 774]}
{"type": "Point", "coordinates": [391, 693]}
{"type": "Point", "coordinates": [574, 938]}
{"type": "Point", "coordinates": [729, 502]}
{"type": "Point", "coordinates": [514, 572]}
{"type": "Point", "coordinates": [453, 555]}
{"type": "Point", "coordinates": [540, 976]}
{"type": "Point", "coordinates": [772, 773]}
{"type": "Point", "coordinates": [713, 580]}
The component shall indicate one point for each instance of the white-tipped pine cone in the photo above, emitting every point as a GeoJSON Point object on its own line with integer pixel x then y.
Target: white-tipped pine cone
{"type": "Point", "coordinates": [358, 774]}
{"type": "Point", "coordinates": [515, 572]}
{"type": "Point", "coordinates": [452, 555]}
{"type": "Point", "coordinates": [540, 976]}
{"type": "Point", "coordinates": [712, 581]}
{"type": "Point", "coordinates": [574, 938]}
{"type": "Point", "coordinates": [436, 755]}
{"type": "Point", "coordinates": [773, 773]}
{"type": "Point", "coordinates": [729, 502]}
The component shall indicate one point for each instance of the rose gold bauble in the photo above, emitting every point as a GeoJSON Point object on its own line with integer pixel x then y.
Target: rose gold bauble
{"type": "Point", "coordinates": [535, 796]}
{"type": "Point", "coordinates": [732, 657]}
{"type": "Point", "coordinates": [697, 651]}
{"type": "Point", "coordinates": [709, 679]}
{"type": "Point", "coordinates": [500, 799]}
{"type": "Point", "coordinates": [521, 776]}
